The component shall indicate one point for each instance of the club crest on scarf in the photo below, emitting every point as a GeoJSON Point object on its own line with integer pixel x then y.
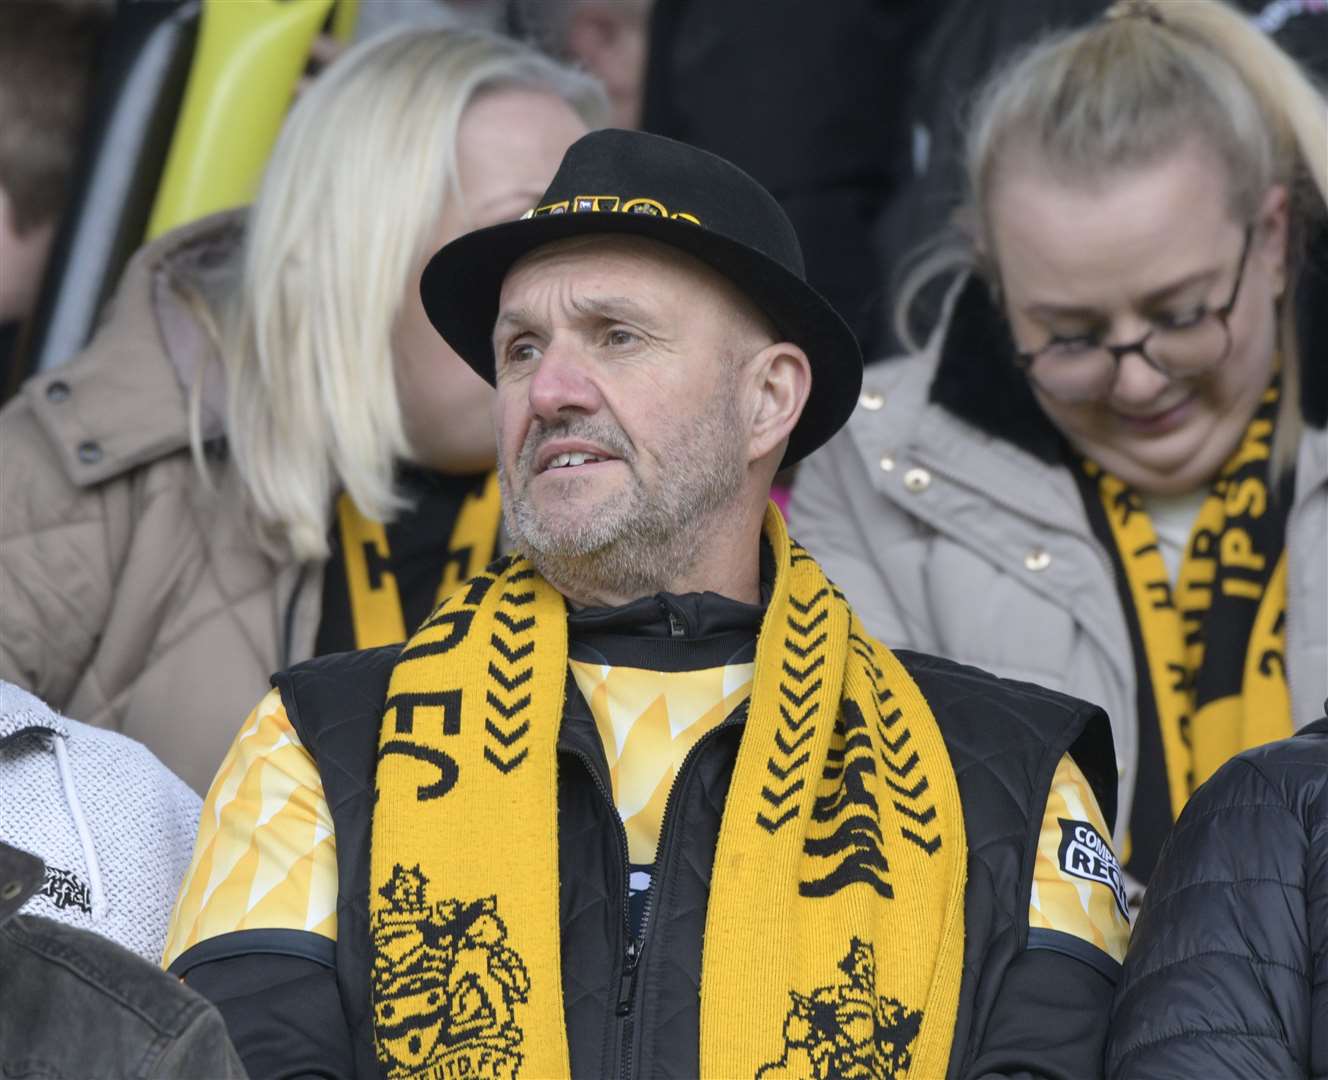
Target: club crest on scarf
{"type": "Point", "coordinates": [445, 984]}
{"type": "Point", "coordinates": [845, 1030]}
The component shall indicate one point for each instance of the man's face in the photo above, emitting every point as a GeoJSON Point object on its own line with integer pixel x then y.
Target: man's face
{"type": "Point", "coordinates": [621, 421]}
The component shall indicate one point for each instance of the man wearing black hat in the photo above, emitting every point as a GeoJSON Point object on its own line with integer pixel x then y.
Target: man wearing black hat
{"type": "Point", "coordinates": [643, 798]}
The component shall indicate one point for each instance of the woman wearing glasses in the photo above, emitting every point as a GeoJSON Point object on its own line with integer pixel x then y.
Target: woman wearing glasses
{"type": "Point", "coordinates": [1107, 472]}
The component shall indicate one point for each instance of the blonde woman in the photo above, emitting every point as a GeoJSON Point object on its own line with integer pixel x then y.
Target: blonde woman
{"type": "Point", "coordinates": [199, 498]}
{"type": "Point", "coordinates": [1108, 470]}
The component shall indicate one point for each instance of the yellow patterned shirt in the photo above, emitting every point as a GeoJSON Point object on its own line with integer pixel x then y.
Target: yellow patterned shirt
{"type": "Point", "coordinates": [648, 721]}
{"type": "Point", "coordinates": [265, 857]}
{"type": "Point", "coordinates": [1078, 887]}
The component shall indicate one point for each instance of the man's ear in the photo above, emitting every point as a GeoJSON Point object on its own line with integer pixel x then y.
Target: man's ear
{"type": "Point", "coordinates": [782, 379]}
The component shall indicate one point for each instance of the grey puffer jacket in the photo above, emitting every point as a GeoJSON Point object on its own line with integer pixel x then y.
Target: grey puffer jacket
{"type": "Point", "coordinates": [944, 514]}
{"type": "Point", "coordinates": [1227, 973]}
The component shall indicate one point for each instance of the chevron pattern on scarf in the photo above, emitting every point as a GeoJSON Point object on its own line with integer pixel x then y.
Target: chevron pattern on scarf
{"type": "Point", "coordinates": [838, 882]}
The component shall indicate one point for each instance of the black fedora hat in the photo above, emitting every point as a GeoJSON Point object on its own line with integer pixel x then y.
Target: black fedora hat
{"type": "Point", "coordinates": [628, 182]}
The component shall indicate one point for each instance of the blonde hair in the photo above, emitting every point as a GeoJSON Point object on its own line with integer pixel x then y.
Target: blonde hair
{"type": "Point", "coordinates": [1126, 92]}
{"type": "Point", "coordinates": [347, 208]}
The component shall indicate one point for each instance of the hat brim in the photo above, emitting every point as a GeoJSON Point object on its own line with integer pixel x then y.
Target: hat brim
{"type": "Point", "coordinates": [461, 285]}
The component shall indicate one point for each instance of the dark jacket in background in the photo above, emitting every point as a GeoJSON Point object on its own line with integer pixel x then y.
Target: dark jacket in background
{"type": "Point", "coordinates": [1299, 26]}
{"type": "Point", "coordinates": [808, 98]}
{"type": "Point", "coordinates": [74, 1004]}
{"type": "Point", "coordinates": [967, 43]}
{"type": "Point", "coordinates": [1227, 973]}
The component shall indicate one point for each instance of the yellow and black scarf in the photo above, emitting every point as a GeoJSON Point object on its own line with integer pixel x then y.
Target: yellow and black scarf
{"type": "Point", "coordinates": [1208, 653]}
{"type": "Point", "coordinates": [835, 926]}
{"type": "Point", "coordinates": [376, 609]}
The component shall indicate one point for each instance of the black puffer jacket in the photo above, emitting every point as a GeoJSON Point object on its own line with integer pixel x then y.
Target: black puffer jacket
{"type": "Point", "coordinates": [1227, 974]}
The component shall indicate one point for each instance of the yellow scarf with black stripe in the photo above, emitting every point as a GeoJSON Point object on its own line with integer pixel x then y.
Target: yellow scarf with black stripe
{"type": "Point", "coordinates": [1211, 649]}
{"type": "Point", "coordinates": [835, 927]}
{"type": "Point", "coordinates": [376, 610]}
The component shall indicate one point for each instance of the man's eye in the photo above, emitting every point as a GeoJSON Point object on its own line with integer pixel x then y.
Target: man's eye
{"type": "Point", "coordinates": [523, 352]}
{"type": "Point", "coordinates": [618, 337]}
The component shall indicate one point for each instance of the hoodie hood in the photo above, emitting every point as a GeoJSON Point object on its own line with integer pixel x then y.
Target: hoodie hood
{"type": "Point", "coordinates": [114, 827]}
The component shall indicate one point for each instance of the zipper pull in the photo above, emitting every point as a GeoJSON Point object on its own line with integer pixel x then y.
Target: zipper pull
{"type": "Point", "coordinates": [676, 627]}
{"type": "Point", "coordinates": [627, 984]}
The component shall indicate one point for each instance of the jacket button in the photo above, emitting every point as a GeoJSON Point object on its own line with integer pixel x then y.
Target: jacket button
{"type": "Point", "coordinates": [9, 890]}
{"type": "Point", "coordinates": [871, 400]}
{"type": "Point", "coordinates": [89, 452]}
{"type": "Point", "coordinates": [58, 391]}
{"type": "Point", "coordinates": [1037, 560]}
{"type": "Point", "coordinates": [917, 480]}
{"type": "Point", "coordinates": [887, 463]}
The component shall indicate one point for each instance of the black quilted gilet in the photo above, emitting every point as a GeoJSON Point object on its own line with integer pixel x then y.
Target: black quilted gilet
{"type": "Point", "coordinates": [1004, 739]}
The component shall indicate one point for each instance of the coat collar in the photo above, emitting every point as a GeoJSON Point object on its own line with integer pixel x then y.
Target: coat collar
{"type": "Point", "coordinates": [124, 400]}
{"type": "Point", "coordinates": [1312, 331]}
{"type": "Point", "coordinates": [977, 381]}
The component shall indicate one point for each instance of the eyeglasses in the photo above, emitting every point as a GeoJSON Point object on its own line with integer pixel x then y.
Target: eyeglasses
{"type": "Point", "coordinates": [1084, 368]}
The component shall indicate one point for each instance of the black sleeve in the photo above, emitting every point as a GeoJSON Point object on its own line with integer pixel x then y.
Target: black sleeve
{"type": "Point", "coordinates": [1049, 1021]}
{"type": "Point", "coordinates": [203, 1049]}
{"type": "Point", "coordinates": [283, 1014]}
{"type": "Point", "coordinates": [1217, 983]}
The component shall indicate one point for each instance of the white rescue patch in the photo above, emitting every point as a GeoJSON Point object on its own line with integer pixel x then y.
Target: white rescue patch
{"type": "Point", "coordinates": [1085, 853]}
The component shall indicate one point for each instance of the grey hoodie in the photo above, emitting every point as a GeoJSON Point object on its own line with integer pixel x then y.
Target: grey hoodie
{"type": "Point", "coordinates": [113, 825]}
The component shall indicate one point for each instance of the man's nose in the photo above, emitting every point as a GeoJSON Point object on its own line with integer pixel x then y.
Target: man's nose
{"type": "Point", "coordinates": [562, 382]}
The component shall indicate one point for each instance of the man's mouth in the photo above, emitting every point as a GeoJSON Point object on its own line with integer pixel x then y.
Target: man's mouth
{"type": "Point", "coordinates": [565, 461]}
{"type": "Point", "coordinates": [559, 455]}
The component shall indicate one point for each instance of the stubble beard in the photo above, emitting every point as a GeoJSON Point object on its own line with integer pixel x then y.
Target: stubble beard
{"type": "Point", "coordinates": [638, 540]}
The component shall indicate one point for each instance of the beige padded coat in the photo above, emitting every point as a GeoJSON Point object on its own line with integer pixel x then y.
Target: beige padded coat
{"type": "Point", "coordinates": [131, 596]}
{"type": "Point", "coordinates": [952, 541]}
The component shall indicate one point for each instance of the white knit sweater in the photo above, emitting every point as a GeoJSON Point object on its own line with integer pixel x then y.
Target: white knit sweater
{"type": "Point", "coordinates": [114, 826]}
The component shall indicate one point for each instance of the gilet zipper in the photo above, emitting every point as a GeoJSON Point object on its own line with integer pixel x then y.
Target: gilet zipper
{"type": "Point", "coordinates": [635, 948]}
